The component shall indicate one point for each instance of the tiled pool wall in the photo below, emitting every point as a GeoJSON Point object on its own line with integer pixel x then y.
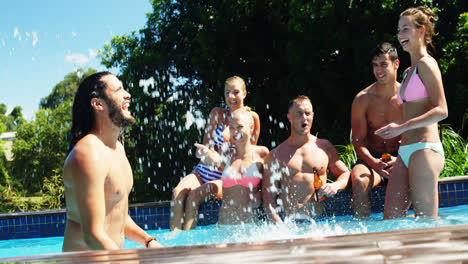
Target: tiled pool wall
{"type": "Point", "coordinates": [151, 216]}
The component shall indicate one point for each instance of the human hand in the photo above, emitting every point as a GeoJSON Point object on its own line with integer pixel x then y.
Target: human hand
{"type": "Point", "coordinates": [391, 130]}
{"type": "Point", "coordinates": [384, 168]}
{"type": "Point", "coordinates": [154, 244]}
{"type": "Point", "coordinates": [202, 151]}
{"type": "Point", "coordinates": [328, 190]}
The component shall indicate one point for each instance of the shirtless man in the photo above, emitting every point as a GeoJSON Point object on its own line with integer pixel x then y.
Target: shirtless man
{"type": "Point", "coordinates": [97, 175]}
{"type": "Point", "coordinates": [291, 167]}
{"type": "Point", "coordinates": [373, 108]}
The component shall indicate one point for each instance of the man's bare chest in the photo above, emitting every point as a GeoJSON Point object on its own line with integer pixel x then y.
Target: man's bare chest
{"type": "Point", "coordinates": [119, 181]}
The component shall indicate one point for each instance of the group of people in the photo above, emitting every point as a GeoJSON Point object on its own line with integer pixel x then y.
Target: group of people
{"type": "Point", "coordinates": [394, 128]}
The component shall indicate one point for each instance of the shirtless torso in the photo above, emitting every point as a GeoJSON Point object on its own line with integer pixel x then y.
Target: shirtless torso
{"type": "Point", "coordinates": [97, 175]}
{"type": "Point", "coordinates": [291, 173]}
{"type": "Point", "coordinates": [113, 179]}
{"type": "Point", "coordinates": [376, 111]}
{"type": "Point", "coordinates": [239, 201]}
{"type": "Point", "coordinates": [290, 168]}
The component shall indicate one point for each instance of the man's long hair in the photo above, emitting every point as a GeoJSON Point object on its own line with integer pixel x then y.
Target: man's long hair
{"type": "Point", "coordinates": [83, 116]}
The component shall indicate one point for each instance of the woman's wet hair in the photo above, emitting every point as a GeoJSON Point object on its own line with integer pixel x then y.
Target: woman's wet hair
{"type": "Point", "coordinates": [422, 16]}
{"type": "Point", "coordinates": [385, 48]}
{"type": "Point", "coordinates": [83, 116]}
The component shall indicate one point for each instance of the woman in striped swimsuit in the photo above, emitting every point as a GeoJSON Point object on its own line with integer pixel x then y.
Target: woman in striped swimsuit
{"type": "Point", "coordinates": [204, 181]}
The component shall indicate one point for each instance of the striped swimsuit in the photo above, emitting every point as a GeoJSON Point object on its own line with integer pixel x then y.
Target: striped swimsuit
{"type": "Point", "coordinates": [208, 173]}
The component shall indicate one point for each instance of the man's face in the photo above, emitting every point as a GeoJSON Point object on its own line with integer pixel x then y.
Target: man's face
{"type": "Point", "coordinates": [117, 100]}
{"type": "Point", "coordinates": [384, 68]}
{"type": "Point", "coordinates": [300, 116]}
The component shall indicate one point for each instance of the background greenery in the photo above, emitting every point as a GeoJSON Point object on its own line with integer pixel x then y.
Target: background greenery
{"type": "Point", "coordinates": [176, 65]}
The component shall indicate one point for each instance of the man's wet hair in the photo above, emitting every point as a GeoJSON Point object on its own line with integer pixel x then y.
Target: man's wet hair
{"type": "Point", "coordinates": [297, 99]}
{"type": "Point", "coordinates": [83, 116]}
{"type": "Point", "coordinates": [385, 48]}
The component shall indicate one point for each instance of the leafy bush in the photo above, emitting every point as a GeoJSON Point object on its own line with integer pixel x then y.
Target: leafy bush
{"type": "Point", "coordinates": [456, 153]}
{"type": "Point", "coordinates": [53, 191]}
{"type": "Point", "coordinates": [14, 201]}
{"type": "Point", "coordinates": [41, 146]}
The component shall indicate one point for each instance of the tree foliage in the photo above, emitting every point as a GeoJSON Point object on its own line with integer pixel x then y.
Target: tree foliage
{"type": "Point", "coordinates": [319, 48]}
{"type": "Point", "coordinates": [41, 146]}
{"type": "Point", "coordinates": [13, 119]}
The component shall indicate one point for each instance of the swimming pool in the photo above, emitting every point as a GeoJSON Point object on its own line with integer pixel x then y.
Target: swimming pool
{"type": "Point", "coordinates": [213, 234]}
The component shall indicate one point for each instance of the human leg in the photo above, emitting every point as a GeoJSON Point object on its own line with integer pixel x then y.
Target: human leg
{"type": "Point", "coordinates": [363, 179]}
{"type": "Point", "coordinates": [212, 189]}
{"type": "Point", "coordinates": [179, 196]}
{"type": "Point", "coordinates": [397, 199]}
{"type": "Point", "coordinates": [424, 168]}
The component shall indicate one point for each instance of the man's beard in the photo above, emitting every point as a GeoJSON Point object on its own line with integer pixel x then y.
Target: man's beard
{"type": "Point", "coordinates": [115, 114]}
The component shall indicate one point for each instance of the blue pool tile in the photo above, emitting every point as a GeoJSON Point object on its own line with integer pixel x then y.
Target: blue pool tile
{"type": "Point", "coordinates": [443, 187]}
{"type": "Point", "coordinates": [459, 186]}
{"type": "Point", "coordinates": [152, 211]}
{"type": "Point", "coordinates": [451, 195]}
{"type": "Point", "coordinates": [459, 195]}
{"type": "Point", "coordinates": [451, 187]}
{"type": "Point", "coordinates": [132, 211]}
{"type": "Point", "coordinates": [443, 196]}
{"type": "Point", "coordinates": [452, 202]}
{"type": "Point", "coordinates": [465, 194]}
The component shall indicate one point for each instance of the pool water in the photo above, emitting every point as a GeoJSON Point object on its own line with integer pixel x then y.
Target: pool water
{"type": "Point", "coordinates": [213, 234]}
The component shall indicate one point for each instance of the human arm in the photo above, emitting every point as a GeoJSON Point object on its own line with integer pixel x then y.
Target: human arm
{"type": "Point", "coordinates": [430, 76]}
{"type": "Point", "coordinates": [135, 233]}
{"type": "Point", "coordinates": [256, 132]}
{"type": "Point", "coordinates": [215, 118]}
{"type": "Point", "coordinates": [256, 192]}
{"type": "Point", "coordinates": [207, 155]}
{"type": "Point", "coordinates": [89, 175]}
{"type": "Point", "coordinates": [270, 187]}
{"type": "Point", "coordinates": [359, 128]}
{"type": "Point", "coordinates": [337, 168]}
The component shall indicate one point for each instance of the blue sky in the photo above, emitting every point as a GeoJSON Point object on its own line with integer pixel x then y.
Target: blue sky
{"type": "Point", "coordinates": [42, 41]}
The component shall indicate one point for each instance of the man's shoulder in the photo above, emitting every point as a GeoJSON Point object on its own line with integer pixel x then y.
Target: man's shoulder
{"type": "Point", "coordinates": [87, 148]}
{"type": "Point", "coordinates": [324, 144]}
{"type": "Point", "coordinates": [86, 157]}
{"type": "Point", "coordinates": [274, 153]}
{"type": "Point", "coordinates": [365, 94]}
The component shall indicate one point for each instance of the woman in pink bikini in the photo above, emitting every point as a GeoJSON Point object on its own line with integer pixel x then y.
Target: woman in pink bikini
{"type": "Point", "coordinates": [421, 157]}
{"type": "Point", "coordinates": [204, 181]}
{"type": "Point", "coordinates": [242, 174]}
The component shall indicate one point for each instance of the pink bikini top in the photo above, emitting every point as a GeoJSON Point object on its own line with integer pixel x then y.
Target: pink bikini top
{"type": "Point", "coordinates": [251, 177]}
{"type": "Point", "coordinates": [414, 89]}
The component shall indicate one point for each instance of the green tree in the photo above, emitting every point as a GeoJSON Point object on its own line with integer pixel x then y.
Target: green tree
{"type": "Point", "coordinates": [41, 145]}
{"type": "Point", "coordinates": [17, 116]}
{"type": "Point", "coordinates": [319, 48]}
{"type": "Point", "coordinates": [3, 109]}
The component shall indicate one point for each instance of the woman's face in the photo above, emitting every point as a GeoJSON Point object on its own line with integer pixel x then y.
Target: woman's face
{"type": "Point", "coordinates": [240, 128]}
{"type": "Point", "coordinates": [234, 95]}
{"type": "Point", "coordinates": [408, 35]}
